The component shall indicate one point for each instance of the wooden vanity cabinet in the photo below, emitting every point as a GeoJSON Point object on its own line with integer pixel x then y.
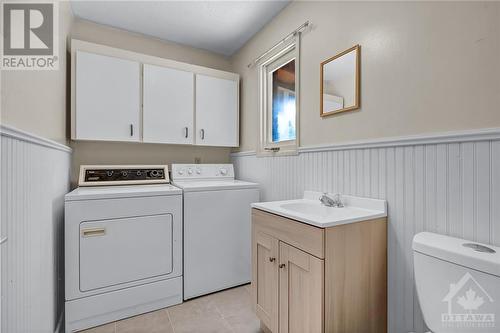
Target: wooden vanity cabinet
{"type": "Point", "coordinates": [310, 279]}
{"type": "Point", "coordinates": [265, 271]}
{"type": "Point", "coordinates": [301, 290]}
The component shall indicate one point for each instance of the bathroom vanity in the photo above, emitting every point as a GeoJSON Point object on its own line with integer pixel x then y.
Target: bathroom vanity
{"type": "Point", "coordinates": [318, 268]}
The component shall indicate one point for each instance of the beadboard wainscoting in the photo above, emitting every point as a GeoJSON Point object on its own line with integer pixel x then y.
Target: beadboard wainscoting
{"type": "Point", "coordinates": [34, 180]}
{"type": "Point", "coordinates": [449, 184]}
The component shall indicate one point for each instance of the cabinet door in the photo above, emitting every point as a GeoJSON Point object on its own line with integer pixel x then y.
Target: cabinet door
{"type": "Point", "coordinates": [301, 278]}
{"type": "Point", "coordinates": [217, 121]}
{"type": "Point", "coordinates": [168, 105]}
{"type": "Point", "coordinates": [265, 279]}
{"type": "Point", "coordinates": [107, 98]}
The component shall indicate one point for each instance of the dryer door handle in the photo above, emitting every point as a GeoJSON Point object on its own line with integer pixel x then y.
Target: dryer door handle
{"type": "Point", "coordinates": [92, 232]}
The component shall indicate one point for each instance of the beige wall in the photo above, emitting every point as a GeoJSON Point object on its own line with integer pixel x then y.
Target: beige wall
{"type": "Point", "coordinates": [425, 67]}
{"type": "Point", "coordinates": [141, 153]}
{"type": "Point", "coordinates": [144, 153]}
{"type": "Point", "coordinates": [102, 34]}
{"type": "Point", "coordinates": [36, 101]}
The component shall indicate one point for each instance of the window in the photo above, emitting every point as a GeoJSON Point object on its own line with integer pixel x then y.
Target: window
{"type": "Point", "coordinates": [279, 102]}
{"type": "Point", "coordinates": [283, 103]}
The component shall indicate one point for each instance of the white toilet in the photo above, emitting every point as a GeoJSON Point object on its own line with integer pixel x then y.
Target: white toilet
{"type": "Point", "coordinates": [458, 284]}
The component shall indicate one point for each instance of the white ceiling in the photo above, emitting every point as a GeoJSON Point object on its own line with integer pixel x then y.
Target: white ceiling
{"type": "Point", "coordinates": [219, 26]}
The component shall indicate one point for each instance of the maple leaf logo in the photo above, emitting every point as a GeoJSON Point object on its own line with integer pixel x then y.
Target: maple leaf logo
{"type": "Point", "coordinates": [470, 301]}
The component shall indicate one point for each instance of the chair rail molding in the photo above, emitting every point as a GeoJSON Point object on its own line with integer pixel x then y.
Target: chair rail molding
{"type": "Point", "coordinates": [446, 183]}
{"type": "Point", "coordinates": [482, 134]}
{"type": "Point", "coordinates": [12, 132]}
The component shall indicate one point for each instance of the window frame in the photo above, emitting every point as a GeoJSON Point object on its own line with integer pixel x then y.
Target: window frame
{"type": "Point", "coordinates": [288, 52]}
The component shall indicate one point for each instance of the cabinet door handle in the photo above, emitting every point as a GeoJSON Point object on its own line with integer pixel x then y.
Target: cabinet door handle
{"type": "Point", "coordinates": [282, 266]}
{"type": "Point", "coordinates": [272, 259]}
{"type": "Point", "coordinates": [131, 129]}
{"type": "Point", "coordinates": [202, 134]}
{"type": "Point", "coordinates": [186, 132]}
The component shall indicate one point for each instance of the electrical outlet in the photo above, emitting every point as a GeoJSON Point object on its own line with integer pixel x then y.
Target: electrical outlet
{"type": "Point", "coordinates": [197, 160]}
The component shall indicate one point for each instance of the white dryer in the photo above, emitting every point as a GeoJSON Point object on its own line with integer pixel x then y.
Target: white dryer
{"type": "Point", "coordinates": [123, 245]}
{"type": "Point", "coordinates": [217, 227]}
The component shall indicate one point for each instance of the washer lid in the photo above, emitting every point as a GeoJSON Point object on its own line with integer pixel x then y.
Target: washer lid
{"type": "Point", "coordinates": [215, 185]}
{"type": "Point", "coordinates": [124, 191]}
{"type": "Point", "coordinates": [478, 256]}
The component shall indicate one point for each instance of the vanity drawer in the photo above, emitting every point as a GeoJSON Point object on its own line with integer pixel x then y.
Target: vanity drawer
{"type": "Point", "coordinates": [305, 237]}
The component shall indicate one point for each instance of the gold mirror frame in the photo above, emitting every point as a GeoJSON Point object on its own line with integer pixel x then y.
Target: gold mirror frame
{"type": "Point", "coordinates": [356, 105]}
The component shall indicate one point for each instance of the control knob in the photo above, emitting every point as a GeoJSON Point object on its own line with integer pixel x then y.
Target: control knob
{"type": "Point", "coordinates": [154, 173]}
{"type": "Point", "coordinates": [190, 171]}
{"type": "Point", "coordinates": [223, 171]}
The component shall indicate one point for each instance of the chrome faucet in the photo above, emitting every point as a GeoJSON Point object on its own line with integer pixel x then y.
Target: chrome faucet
{"type": "Point", "coordinates": [336, 201]}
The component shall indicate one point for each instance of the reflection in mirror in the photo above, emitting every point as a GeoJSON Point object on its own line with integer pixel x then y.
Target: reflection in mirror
{"type": "Point", "coordinates": [283, 102]}
{"type": "Point", "coordinates": [340, 82]}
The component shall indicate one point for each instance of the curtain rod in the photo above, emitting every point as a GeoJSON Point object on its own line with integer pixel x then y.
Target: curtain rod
{"type": "Point", "coordinates": [293, 33]}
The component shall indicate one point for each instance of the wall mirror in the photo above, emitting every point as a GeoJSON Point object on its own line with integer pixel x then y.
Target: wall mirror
{"type": "Point", "coordinates": [340, 82]}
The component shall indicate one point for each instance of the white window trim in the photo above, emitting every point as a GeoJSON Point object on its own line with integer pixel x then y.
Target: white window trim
{"type": "Point", "coordinates": [265, 145]}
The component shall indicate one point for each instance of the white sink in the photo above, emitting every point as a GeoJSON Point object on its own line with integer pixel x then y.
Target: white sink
{"type": "Point", "coordinates": [310, 210]}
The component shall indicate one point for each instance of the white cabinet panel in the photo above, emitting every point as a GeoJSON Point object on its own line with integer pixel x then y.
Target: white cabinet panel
{"type": "Point", "coordinates": [217, 119]}
{"type": "Point", "coordinates": [217, 240]}
{"type": "Point", "coordinates": [176, 104]}
{"type": "Point", "coordinates": [107, 98]}
{"type": "Point", "coordinates": [168, 105]}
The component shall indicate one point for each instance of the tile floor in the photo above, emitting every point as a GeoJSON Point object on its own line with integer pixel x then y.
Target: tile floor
{"type": "Point", "coordinates": [228, 311]}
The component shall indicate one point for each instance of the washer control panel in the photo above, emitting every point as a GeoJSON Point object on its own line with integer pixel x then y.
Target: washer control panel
{"type": "Point", "coordinates": [98, 175]}
{"type": "Point", "coordinates": [202, 171]}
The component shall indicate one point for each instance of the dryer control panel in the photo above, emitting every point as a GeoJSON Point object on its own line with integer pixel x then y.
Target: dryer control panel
{"type": "Point", "coordinates": [202, 171]}
{"type": "Point", "coordinates": [96, 175]}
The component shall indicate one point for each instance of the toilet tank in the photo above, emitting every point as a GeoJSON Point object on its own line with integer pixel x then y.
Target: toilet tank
{"type": "Point", "coordinates": [458, 284]}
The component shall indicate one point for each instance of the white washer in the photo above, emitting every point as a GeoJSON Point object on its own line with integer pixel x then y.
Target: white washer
{"type": "Point", "coordinates": [217, 227]}
{"type": "Point", "coordinates": [123, 246]}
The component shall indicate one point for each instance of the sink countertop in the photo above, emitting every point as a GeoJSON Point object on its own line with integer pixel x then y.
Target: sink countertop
{"type": "Point", "coordinates": [309, 210]}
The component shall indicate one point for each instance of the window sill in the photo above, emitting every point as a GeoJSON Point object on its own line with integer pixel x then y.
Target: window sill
{"type": "Point", "coordinates": [281, 152]}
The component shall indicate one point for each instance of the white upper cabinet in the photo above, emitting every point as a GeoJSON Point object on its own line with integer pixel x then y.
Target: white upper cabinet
{"type": "Point", "coordinates": [217, 115]}
{"type": "Point", "coordinates": [119, 95]}
{"type": "Point", "coordinates": [107, 98]}
{"type": "Point", "coordinates": [168, 105]}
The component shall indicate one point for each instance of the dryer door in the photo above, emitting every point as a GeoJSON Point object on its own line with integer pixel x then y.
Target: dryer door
{"type": "Point", "coordinates": [117, 251]}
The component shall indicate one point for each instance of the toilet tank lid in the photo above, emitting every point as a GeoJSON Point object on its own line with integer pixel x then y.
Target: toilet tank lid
{"type": "Point", "coordinates": [453, 250]}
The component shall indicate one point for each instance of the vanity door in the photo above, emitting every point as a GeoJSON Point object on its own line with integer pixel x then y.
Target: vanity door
{"type": "Point", "coordinates": [301, 290]}
{"type": "Point", "coordinates": [265, 278]}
